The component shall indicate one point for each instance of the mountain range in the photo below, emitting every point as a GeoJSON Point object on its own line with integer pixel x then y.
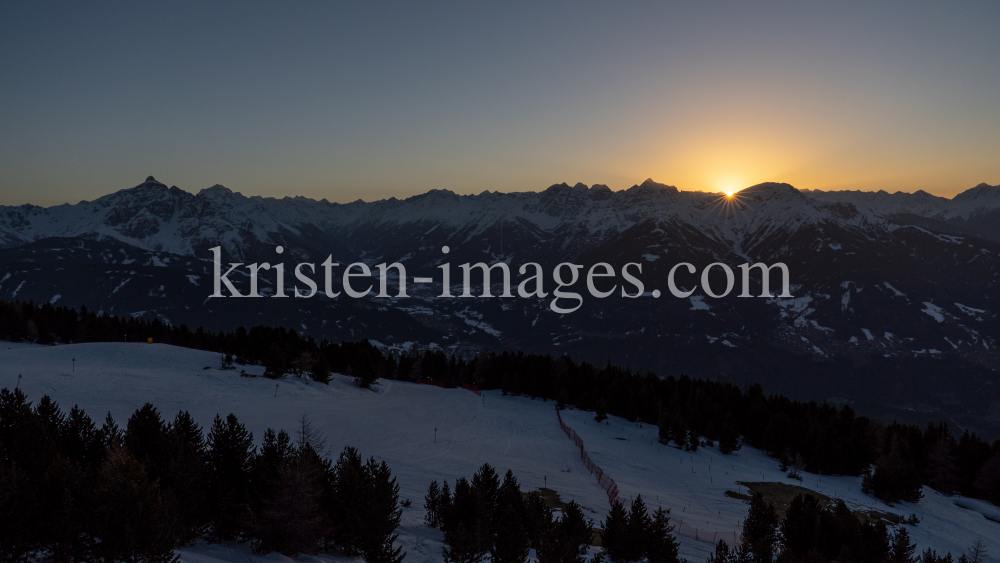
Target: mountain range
{"type": "Point", "coordinates": [894, 307]}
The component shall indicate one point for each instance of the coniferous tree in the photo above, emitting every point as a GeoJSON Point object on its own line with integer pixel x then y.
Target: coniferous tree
{"type": "Point", "coordinates": [511, 543]}
{"type": "Point", "coordinates": [146, 439]}
{"type": "Point", "coordinates": [987, 483]}
{"type": "Point", "coordinates": [321, 369]}
{"type": "Point", "coordinates": [901, 550]}
{"type": "Point", "coordinates": [661, 546]}
{"type": "Point", "coordinates": [130, 518]}
{"type": "Point", "coordinates": [344, 505]}
{"type": "Point", "coordinates": [760, 530]}
{"type": "Point", "coordinates": [537, 519]}
{"type": "Point", "coordinates": [82, 443]}
{"type": "Point", "coordinates": [111, 435]}
{"type": "Point", "coordinates": [636, 531]}
{"type": "Point", "coordinates": [432, 504]}
{"type": "Point", "coordinates": [462, 538]}
{"type": "Point", "coordinates": [188, 476]}
{"type": "Point", "coordinates": [723, 554]}
{"type": "Point", "coordinates": [931, 556]}
{"type": "Point", "coordinates": [381, 514]}
{"type": "Point", "coordinates": [231, 453]}
{"type": "Point", "coordinates": [601, 410]}
{"type": "Point", "coordinates": [485, 486]}
{"type": "Point", "coordinates": [615, 533]}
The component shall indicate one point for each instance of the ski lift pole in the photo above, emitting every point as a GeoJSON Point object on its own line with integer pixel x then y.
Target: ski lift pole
{"type": "Point", "coordinates": [18, 382]}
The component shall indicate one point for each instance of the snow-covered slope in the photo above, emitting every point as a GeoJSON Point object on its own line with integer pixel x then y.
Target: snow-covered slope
{"type": "Point", "coordinates": [397, 423]}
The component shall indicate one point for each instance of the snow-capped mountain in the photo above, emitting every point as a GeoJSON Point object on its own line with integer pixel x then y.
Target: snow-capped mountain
{"type": "Point", "coordinates": [895, 296]}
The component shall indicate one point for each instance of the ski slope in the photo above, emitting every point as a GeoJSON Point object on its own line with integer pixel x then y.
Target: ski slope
{"type": "Point", "coordinates": [397, 423]}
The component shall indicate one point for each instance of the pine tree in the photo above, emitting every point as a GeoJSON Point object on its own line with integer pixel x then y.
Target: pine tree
{"type": "Point", "coordinates": [662, 546]}
{"type": "Point", "coordinates": [111, 435]}
{"type": "Point", "coordinates": [510, 536]}
{"type": "Point", "coordinates": [987, 483]}
{"type": "Point", "coordinates": [344, 507]}
{"type": "Point", "coordinates": [231, 453]}
{"type": "Point", "coordinates": [902, 551]}
{"type": "Point", "coordinates": [722, 554]}
{"type": "Point", "coordinates": [760, 530]}
{"type": "Point", "coordinates": [637, 531]}
{"type": "Point", "coordinates": [931, 556]}
{"type": "Point", "coordinates": [381, 514]}
{"type": "Point", "coordinates": [537, 519]}
{"type": "Point", "coordinates": [601, 410]}
{"type": "Point", "coordinates": [432, 504]}
{"type": "Point", "coordinates": [129, 518]}
{"type": "Point", "coordinates": [146, 439]}
{"type": "Point", "coordinates": [485, 486]}
{"type": "Point", "coordinates": [321, 369]}
{"type": "Point", "coordinates": [188, 476]}
{"type": "Point", "coordinates": [614, 538]}
{"type": "Point", "coordinates": [462, 538]}
{"type": "Point", "coordinates": [82, 443]}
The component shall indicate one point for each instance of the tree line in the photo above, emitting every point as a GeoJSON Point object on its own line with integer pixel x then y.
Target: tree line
{"type": "Point", "coordinates": [71, 490]}
{"type": "Point", "coordinates": [810, 531]}
{"type": "Point", "coordinates": [896, 460]}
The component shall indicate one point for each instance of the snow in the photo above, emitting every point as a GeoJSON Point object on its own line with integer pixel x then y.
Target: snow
{"type": "Point", "coordinates": [972, 312]}
{"type": "Point", "coordinates": [894, 290]}
{"type": "Point", "coordinates": [934, 311]}
{"type": "Point", "coordinates": [651, 257]}
{"type": "Point", "coordinates": [698, 303]}
{"type": "Point", "coordinates": [396, 424]}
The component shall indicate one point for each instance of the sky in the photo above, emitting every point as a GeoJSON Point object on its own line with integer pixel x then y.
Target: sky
{"type": "Point", "coordinates": [373, 100]}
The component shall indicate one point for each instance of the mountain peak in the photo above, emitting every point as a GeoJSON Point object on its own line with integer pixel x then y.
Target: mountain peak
{"type": "Point", "coordinates": [650, 184]}
{"type": "Point", "coordinates": [768, 190]}
{"type": "Point", "coordinates": [151, 181]}
{"type": "Point", "coordinates": [216, 191]}
{"type": "Point", "coordinates": [982, 191]}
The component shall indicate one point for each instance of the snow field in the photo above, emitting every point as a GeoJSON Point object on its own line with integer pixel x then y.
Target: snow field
{"type": "Point", "coordinates": [397, 422]}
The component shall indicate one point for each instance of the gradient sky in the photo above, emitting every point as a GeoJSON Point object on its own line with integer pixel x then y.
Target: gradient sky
{"type": "Point", "coordinates": [369, 100]}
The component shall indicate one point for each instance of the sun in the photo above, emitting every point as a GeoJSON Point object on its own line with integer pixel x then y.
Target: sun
{"type": "Point", "coordinates": [729, 191]}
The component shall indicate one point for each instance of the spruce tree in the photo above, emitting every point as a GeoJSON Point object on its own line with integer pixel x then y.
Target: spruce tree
{"type": "Point", "coordinates": [510, 535]}
{"type": "Point", "coordinates": [662, 546]}
{"type": "Point", "coordinates": [188, 476]}
{"type": "Point", "coordinates": [902, 551]}
{"type": "Point", "coordinates": [432, 504]}
{"type": "Point", "coordinates": [760, 530]}
{"type": "Point", "coordinates": [601, 410]}
{"type": "Point", "coordinates": [615, 533]}
{"type": "Point", "coordinates": [345, 503]}
{"type": "Point", "coordinates": [146, 439]}
{"type": "Point", "coordinates": [462, 536]}
{"type": "Point", "coordinates": [111, 435]}
{"type": "Point", "coordinates": [129, 518]}
{"type": "Point", "coordinates": [381, 514]}
{"type": "Point", "coordinates": [485, 486]}
{"type": "Point", "coordinates": [987, 483]}
{"type": "Point", "coordinates": [231, 453]}
{"type": "Point", "coordinates": [637, 531]}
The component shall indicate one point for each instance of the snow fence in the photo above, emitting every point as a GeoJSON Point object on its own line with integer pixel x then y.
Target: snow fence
{"type": "Point", "coordinates": [602, 479]}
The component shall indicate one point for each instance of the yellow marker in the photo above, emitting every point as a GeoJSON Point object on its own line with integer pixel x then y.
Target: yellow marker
{"type": "Point", "coordinates": [149, 340]}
